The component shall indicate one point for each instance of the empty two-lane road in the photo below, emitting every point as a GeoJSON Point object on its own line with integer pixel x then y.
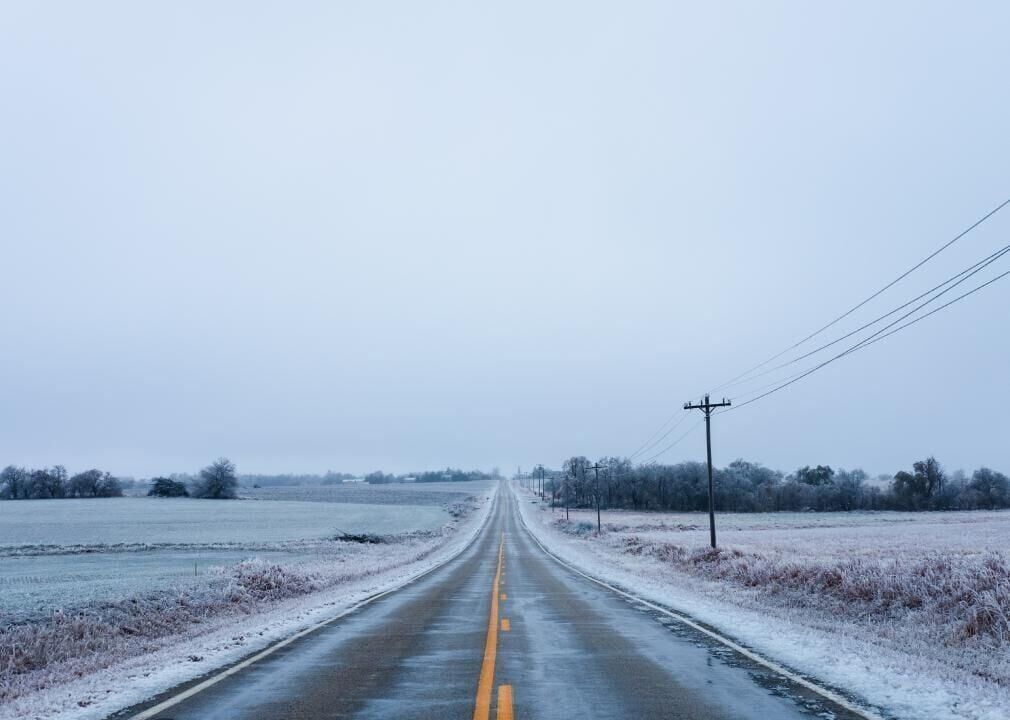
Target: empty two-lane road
{"type": "Point", "coordinates": [502, 631]}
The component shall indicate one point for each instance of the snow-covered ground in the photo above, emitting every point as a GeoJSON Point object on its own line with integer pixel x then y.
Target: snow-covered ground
{"type": "Point", "coordinates": [384, 494]}
{"type": "Point", "coordinates": [70, 553]}
{"type": "Point", "coordinates": [134, 619]}
{"type": "Point", "coordinates": [905, 612]}
{"type": "Point", "coordinates": [36, 586]}
{"type": "Point", "coordinates": [153, 521]}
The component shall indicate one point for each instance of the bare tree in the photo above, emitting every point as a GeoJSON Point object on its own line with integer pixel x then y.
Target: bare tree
{"type": "Point", "coordinates": [49, 484]}
{"type": "Point", "coordinates": [217, 481]}
{"type": "Point", "coordinates": [85, 484]}
{"type": "Point", "coordinates": [14, 483]}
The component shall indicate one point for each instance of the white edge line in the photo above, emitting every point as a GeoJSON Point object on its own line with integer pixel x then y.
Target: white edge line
{"type": "Point", "coordinates": [211, 681]}
{"type": "Point", "coordinates": [746, 652]}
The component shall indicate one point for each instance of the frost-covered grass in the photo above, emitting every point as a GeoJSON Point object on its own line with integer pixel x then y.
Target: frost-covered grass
{"type": "Point", "coordinates": [36, 585]}
{"type": "Point", "coordinates": [111, 521]}
{"type": "Point", "coordinates": [87, 637]}
{"type": "Point", "coordinates": [80, 551]}
{"type": "Point", "coordinates": [909, 610]}
{"type": "Point", "coordinates": [96, 616]}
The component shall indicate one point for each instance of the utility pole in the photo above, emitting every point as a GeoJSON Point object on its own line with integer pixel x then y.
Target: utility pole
{"type": "Point", "coordinates": [707, 408]}
{"type": "Point", "coordinates": [596, 468]}
{"type": "Point", "coordinates": [542, 473]}
{"type": "Point", "coordinates": [566, 492]}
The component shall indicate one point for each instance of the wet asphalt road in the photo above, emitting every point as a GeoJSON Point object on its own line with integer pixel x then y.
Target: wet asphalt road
{"type": "Point", "coordinates": [572, 650]}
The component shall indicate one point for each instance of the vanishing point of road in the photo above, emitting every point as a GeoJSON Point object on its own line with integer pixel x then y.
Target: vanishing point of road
{"type": "Point", "coordinates": [502, 631]}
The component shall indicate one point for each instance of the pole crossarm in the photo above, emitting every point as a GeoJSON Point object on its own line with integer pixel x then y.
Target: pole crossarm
{"type": "Point", "coordinates": [707, 406]}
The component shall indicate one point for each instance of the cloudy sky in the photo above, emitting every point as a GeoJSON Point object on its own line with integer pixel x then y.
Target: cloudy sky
{"type": "Point", "coordinates": [354, 235]}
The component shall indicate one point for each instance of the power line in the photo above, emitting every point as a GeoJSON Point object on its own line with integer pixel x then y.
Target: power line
{"type": "Point", "coordinates": [935, 310]}
{"type": "Point", "coordinates": [674, 443]}
{"type": "Point", "coordinates": [643, 447]}
{"type": "Point", "coordinates": [757, 390]}
{"type": "Point", "coordinates": [661, 437]}
{"type": "Point", "coordinates": [886, 287]}
{"type": "Point", "coordinates": [779, 384]}
{"type": "Point", "coordinates": [977, 266]}
{"type": "Point", "coordinates": [877, 336]}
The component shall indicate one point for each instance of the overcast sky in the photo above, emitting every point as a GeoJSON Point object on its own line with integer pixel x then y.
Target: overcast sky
{"type": "Point", "coordinates": [360, 235]}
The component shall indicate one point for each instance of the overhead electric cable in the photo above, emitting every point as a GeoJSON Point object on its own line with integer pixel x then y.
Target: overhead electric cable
{"type": "Point", "coordinates": [874, 295]}
{"type": "Point", "coordinates": [645, 446]}
{"type": "Point", "coordinates": [934, 310]}
{"type": "Point", "coordinates": [983, 262]}
{"type": "Point", "coordinates": [662, 437]}
{"type": "Point", "coordinates": [877, 336]}
{"type": "Point", "coordinates": [674, 443]}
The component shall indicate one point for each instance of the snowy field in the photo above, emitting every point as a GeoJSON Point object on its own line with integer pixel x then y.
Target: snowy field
{"type": "Point", "coordinates": [37, 586]}
{"type": "Point", "coordinates": [159, 521]}
{"type": "Point", "coordinates": [67, 553]}
{"type": "Point", "coordinates": [384, 494]}
{"type": "Point", "coordinates": [89, 587]}
{"type": "Point", "coordinates": [810, 535]}
{"type": "Point", "coordinates": [909, 612]}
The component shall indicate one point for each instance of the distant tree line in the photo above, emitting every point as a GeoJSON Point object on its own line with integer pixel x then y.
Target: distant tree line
{"type": "Point", "coordinates": [19, 483]}
{"type": "Point", "coordinates": [749, 487]}
{"type": "Point", "coordinates": [285, 480]}
{"type": "Point", "coordinates": [217, 480]}
{"type": "Point", "coordinates": [447, 475]}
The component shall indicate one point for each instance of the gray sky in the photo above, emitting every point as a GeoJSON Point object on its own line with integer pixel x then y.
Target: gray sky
{"type": "Point", "coordinates": [370, 234]}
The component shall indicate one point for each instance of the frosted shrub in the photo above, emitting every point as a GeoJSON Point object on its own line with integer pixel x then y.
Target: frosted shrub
{"type": "Point", "coordinates": [579, 529]}
{"type": "Point", "coordinates": [967, 595]}
{"type": "Point", "coordinates": [255, 581]}
{"type": "Point", "coordinates": [42, 653]}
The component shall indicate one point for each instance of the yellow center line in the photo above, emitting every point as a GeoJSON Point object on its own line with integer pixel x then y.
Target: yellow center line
{"type": "Point", "coordinates": [504, 702]}
{"type": "Point", "coordinates": [505, 627]}
{"type": "Point", "coordinates": [482, 709]}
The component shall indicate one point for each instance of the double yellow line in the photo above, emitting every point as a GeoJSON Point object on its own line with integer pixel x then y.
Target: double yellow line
{"type": "Point", "coordinates": [482, 709]}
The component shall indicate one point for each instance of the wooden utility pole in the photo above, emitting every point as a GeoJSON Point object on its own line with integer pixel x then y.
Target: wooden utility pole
{"type": "Point", "coordinates": [566, 491]}
{"type": "Point", "coordinates": [707, 408]}
{"type": "Point", "coordinates": [596, 469]}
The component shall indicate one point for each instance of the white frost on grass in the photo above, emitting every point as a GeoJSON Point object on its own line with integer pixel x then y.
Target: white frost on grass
{"type": "Point", "coordinates": [61, 554]}
{"type": "Point", "coordinates": [37, 585]}
{"type": "Point", "coordinates": [143, 645]}
{"type": "Point", "coordinates": [907, 611]}
{"type": "Point", "coordinates": [110, 521]}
